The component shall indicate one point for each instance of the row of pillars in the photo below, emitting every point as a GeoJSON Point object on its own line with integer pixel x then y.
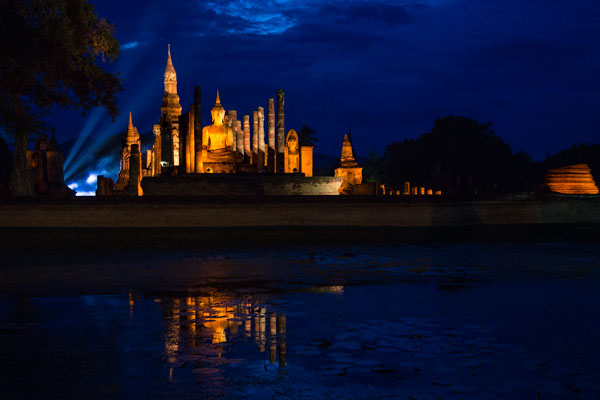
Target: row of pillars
{"type": "Point", "coordinates": [410, 191]}
{"type": "Point", "coordinates": [257, 151]}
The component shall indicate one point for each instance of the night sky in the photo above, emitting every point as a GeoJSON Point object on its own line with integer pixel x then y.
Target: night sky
{"type": "Point", "coordinates": [387, 68]}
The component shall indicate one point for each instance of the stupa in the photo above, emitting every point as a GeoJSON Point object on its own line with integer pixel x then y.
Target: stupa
{"type": "Point", "coordinates": [349, 169]}
{"type": "Point", "coordinates": [572, 179]}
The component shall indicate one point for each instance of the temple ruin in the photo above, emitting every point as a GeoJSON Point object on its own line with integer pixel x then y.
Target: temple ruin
{"type": "Point", "coordinates": [573, 179]}
{"type": "Point", "coordinates": [227, 147]}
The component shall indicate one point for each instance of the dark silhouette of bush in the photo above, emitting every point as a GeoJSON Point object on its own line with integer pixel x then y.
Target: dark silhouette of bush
{"type": "Point", "coordinates": [5, 161]}
{"type": "Point", "coordinates": [461, 157]}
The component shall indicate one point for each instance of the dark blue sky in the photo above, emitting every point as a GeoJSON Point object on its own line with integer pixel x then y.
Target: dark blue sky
{"type": "Point", "coordinates": [388, 68]}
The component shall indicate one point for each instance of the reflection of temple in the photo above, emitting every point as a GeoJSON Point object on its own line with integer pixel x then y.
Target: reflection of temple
{"type": "Point", "coordinates": [203, 325]}
{"type": "Point", "coordinates": [226, 146]}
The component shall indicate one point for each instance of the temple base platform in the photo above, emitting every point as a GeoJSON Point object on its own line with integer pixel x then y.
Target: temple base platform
{"type": "Point", "coordinates": [240, 185]}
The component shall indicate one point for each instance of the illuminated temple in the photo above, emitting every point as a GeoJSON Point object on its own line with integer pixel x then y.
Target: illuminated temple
{"type": "Point", "coordinates": [243, 154]}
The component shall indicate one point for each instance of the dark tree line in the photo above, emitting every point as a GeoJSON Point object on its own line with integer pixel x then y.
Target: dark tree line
{"type": "Point", "coordinates": [459, 156]}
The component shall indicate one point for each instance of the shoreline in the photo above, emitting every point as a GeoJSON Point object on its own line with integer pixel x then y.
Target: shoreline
{"type": "Point", "coordinates": [121, 223]}
{"type": "Point", "coordinates": [34, 240]}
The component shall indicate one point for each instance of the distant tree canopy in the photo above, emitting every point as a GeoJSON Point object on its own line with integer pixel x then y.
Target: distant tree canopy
{"type": "Point", "coordinates": [372, 167]}
{"type": "Point", "coordinates": [461, 157]}
{"type": "Point", "coordinates": [307, 136]}
{"type": "Point", "coordinates": [50, 52]}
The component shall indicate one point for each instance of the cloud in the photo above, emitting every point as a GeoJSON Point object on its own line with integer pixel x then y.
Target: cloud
{"type": "Point", "coordinates": [130, 45]}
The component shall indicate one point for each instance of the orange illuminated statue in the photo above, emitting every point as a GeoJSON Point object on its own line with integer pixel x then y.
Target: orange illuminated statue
{"type": "Point", "coordinates": [217, 136]}
{"type": "Point", "coordinates": [217, 141]}
{"type": "Point", "coordinates": [291, 153]}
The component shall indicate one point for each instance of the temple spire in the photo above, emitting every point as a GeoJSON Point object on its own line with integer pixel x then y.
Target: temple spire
{"type": "Point", "coordinates": [170, 74]}
{"type": "Point", "coordinates": [132, 135]}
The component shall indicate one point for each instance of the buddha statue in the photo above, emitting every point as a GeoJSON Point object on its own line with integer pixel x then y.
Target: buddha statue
{"type": "Point", "coordinates": [291, 153]}
{"type": "Point", "coordinates": [217, 141]}
{"type": "Point", "coordinates": [217, 136]}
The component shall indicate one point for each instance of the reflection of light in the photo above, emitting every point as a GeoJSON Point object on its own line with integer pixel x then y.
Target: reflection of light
{"type": "Point", "coordinates": [85, 194]}
{"type": "Point", "coordinates": [98, 121]}
{"type": "Point", "coordinates": [129, 45]}
{"type": "Point", "coordinates": [93, 178]}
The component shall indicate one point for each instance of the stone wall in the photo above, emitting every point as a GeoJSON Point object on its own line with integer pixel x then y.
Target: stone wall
{"type": "Point", "coordinates": [240, 185]}
{"type": "Point", "coordinates": [273, 211]}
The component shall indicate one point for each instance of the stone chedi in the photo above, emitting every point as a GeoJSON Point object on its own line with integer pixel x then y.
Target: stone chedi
{"type": "Point", "coordinates": [349, 169]}
{"type": "Point", "coordinates": [169, 118]}
{"type": "Point", "coordinates": [46, 163]}
{"type": "Point", "coordinates": [573, 179]}
{"type": "Point", "coordinates": [130, 137]}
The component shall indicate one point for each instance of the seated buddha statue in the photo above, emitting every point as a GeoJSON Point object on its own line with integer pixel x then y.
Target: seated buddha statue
{"type": "Point", "coordinates": [217, 139]}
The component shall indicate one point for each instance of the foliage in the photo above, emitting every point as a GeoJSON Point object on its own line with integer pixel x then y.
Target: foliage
{"type": "Point", "coordinates": [461, 157]}
{"type": "Point", "coordinates": [372, 167]}
{"type": "Point", "coordinates": [307, 136]}
{"type": "Point", "coordinates": [50, 52]}
{"type": "Point", "coordinates": [5, 160]}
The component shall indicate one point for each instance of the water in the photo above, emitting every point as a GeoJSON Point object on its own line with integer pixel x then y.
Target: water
{"type": "Point", "coordinates": [415, 322]}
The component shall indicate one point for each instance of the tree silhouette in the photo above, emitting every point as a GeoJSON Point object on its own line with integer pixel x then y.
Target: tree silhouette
{"type": "Point", "coordinates": [372, 167]}
{"type": "Point", "coordinates": [307, 136]}
{"type": "Point", "coordinates": [51, 51]}
{"type": "Point", "coordinates": [461, 157]}
{"type": "Point", "coordinates": [5, 164]}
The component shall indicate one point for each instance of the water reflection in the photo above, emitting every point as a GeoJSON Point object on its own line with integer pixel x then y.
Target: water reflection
{"type": "Point", "coordinates": [203, 329]}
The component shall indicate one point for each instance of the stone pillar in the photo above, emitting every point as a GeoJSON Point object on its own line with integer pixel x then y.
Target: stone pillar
{"type": "Point", "coordinates": [190, 143]}
{"type": "Point", "coordinates": [240, 136]}
{"type": "Point", "coordinates": [261, 139]}
{"type": "Point", "coordinates": [254, 137]}
{"type": "Point", "coordinates": [157, 169]}
{"type": "Point", "coordinates": [175, 143]}
{"type": "Point", "coordinates": [231, 118]}
{"type": "Point", "coordinates": [271, 150]}
{"type": "Point", "coordinates": [280, 129]}
{"type": "Point", "coordinates": [406, 191]}
{"type": "Point", "coordinates": [197, 129]}
{"type": "Point", "coordinates": [247, 149]}
{"type": "Point", "coordinates": [133, 186]}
